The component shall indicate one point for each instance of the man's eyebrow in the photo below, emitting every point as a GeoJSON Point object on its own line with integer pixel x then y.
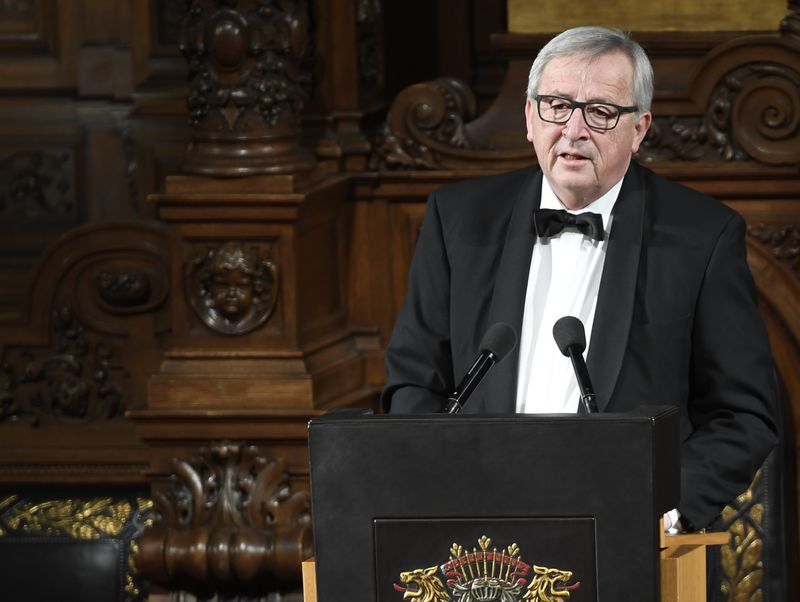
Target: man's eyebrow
{"type": "Point", "coordinates": [597, 99]}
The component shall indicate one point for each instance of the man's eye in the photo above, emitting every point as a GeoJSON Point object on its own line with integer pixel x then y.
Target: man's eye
{"type": "Point", "coordinates": [601, 111]}
{"type": "Point", "coordinates": [560, 106]}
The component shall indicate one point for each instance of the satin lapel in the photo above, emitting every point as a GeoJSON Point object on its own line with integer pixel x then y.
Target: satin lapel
{"type": "Point", "coordinates": [508, 298]}
{"type": "Point", "coordinates": [616, 297]}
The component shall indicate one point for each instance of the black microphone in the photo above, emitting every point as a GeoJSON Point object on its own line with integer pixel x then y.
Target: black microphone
{"type": "Point", "coordinates": [571, 340]}
{"type": "Point", "coordinates": [497, 343]}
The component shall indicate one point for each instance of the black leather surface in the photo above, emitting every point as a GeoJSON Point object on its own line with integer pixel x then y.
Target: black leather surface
{"type": "Point", "coordinates": [621, 470]}
{"type": "Point", "coordinates": [46, 569]}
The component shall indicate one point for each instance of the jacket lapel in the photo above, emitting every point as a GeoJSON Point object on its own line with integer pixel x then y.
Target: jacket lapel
{"type": "Point", "coordinates": [508, 298]}
{"type": "Point", "coordinates": [612, 321]}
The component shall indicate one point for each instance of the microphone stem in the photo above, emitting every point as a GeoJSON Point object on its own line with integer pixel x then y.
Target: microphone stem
{"type": "Point", "coordinates": [584, 382]}
{"type": "Point", "coordinates": [467, 385]}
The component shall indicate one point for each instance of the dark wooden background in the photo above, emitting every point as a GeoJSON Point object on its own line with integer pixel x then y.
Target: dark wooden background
{"type": "Point", "coordinates": [141, 141]}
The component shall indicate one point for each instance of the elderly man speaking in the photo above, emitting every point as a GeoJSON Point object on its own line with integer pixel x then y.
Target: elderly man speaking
{"type": "Point", "coordinates": [655, 271]}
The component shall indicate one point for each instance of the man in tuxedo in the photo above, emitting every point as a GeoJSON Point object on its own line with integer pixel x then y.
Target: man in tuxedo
{"type": "Point", "coordinates": [657, 272]}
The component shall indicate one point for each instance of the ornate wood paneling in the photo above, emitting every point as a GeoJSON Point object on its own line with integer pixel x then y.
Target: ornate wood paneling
{"type": "Point", "coordinates": [38, 44]}
{"type": "Point", "coordinates": [267, 288]}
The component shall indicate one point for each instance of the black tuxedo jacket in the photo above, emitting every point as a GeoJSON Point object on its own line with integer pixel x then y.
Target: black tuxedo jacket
{"type": "Point", "coordinates": [676, 321]}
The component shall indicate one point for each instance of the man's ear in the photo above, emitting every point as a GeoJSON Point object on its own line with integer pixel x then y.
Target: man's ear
{"type": "Point", "coordinates": [530, 115]}
{"type": "Point", "coordinates": [641, 127]}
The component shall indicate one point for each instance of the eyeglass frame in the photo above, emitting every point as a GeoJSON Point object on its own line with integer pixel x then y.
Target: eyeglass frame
{"type": "Point", "coordinates": [576, 104]}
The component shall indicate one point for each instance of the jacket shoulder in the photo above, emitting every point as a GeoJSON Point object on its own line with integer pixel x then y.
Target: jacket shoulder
{"type": "Point", "coordinates": [668, 197]}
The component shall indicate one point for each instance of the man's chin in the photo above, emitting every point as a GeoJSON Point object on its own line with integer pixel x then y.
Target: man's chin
{"type": "Point", "coordinates": [575, 193]}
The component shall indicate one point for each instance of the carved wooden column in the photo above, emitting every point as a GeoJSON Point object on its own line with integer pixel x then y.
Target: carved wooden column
{"type": "Point", "coordinates": [260, 337]}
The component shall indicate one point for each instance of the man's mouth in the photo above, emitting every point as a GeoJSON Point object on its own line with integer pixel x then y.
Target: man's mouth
{"type": "Point", "coordinates": [572, 157]}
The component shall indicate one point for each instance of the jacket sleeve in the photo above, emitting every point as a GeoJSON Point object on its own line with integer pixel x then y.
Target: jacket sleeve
{"type": "Point", "coordinates": [418, 357]}
{"type": "Point", "coordinates": [732, 398]}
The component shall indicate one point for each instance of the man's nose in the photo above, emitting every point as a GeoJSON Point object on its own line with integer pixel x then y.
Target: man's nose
{"type": "Point", "coordinates": [575, 128]}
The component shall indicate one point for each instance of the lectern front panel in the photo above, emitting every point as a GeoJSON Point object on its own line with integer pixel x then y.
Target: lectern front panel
{"type": "Point", "coordinates": [393, 493]}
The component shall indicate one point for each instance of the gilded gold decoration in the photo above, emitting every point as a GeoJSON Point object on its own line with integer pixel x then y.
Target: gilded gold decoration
{"type": "Point", "coordinates": [525, 16]}
{"type": "Point", "coordinates": [742, 564]}
{"type": "Point", "coordinates": [78, 519]}
{"type": "Point", "coordinates": [486, 574]}
{"type": "Point", "coordinates": [5, 503]}
{"type": "Point", "coordinates": [86, 520]}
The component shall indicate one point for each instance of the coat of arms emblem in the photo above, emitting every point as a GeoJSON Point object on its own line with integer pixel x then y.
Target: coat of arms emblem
{"type": "Point", "coordinates": [486, 575]}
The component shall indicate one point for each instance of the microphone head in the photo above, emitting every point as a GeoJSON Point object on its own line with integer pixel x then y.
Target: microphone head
{"type": "Point", "coordinates": [499, 340]}
{"type": "Point", "coordinates": [568, 332]}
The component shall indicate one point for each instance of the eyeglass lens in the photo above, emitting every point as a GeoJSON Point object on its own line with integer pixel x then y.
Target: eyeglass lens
{"type": "Point", "coordinates": [596, 114]}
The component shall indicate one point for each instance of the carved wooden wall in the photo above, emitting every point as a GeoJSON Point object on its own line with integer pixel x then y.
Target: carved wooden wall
{"type": "Point", "coordinates": [208, 217]}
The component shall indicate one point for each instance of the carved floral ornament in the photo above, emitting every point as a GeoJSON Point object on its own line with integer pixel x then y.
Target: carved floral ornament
{"type": "Point", "coordinates": [782, 239]}
{"type": "Point", "coordinates": [76, 380]}
{"type": "Point", "coordinates": [245, 62]}
{"type": "Point", "coordinates": [37, 185]}
{"type": "Point", "coordinates": [227, 518]}
{"type": "Point", "coordinates": [233, 288]}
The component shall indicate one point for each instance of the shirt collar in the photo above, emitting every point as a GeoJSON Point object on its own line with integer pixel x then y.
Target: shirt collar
{"type": "Point", "coordinates": [604, 205]}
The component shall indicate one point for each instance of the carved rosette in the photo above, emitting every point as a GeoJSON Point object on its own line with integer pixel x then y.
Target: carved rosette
{"type": "Point", "coordinates": [227, 521]}
{"type": "Point", "coordinates": [232, 288]}
{"type": "Point", "coordinates": [247, 78]}
{"type": "Point", "coordinates": [425, 124]}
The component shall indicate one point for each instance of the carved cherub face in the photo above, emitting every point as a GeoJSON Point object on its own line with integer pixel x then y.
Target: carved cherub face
{"type": "Point", "coordinates": [232, 293]}
{"type": "Point", "coordinates": [232, 282]}
{"type": "Point", "coordinates": [232, 288]}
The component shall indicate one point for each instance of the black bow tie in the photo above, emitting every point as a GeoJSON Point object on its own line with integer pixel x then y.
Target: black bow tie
{"type": "Point", "coordinates": [549, 222]}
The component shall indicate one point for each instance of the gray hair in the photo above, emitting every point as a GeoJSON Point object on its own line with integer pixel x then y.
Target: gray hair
{"type": "Point", "coordinates": [594, 42]}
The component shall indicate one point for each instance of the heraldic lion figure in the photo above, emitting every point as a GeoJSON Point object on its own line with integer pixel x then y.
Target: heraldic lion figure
{"type": "Point", "coordinates": [429, 588]}
{"type": "Point", "coordinates": [549, 585]}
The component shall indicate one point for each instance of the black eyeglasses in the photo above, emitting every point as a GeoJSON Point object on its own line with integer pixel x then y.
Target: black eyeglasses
{"type": "Point", "coordinates": [597, 115]}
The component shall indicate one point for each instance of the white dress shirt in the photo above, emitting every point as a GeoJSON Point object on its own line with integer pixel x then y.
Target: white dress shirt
{"type": "Point", "coordinates": [564, 280]}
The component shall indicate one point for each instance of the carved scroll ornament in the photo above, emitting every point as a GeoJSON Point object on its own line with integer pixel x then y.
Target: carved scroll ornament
{"type": "Point", "coordinates": [425, 128]}
{"type": "Point", "coordinates": [228, 520]}
{"type": "Point", "coordinates": [755, 111]}
{"type": "Point", "coordinates": [232, 288]}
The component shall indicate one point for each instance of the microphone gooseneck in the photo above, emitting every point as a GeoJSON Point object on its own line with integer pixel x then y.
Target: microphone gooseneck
{"type": "Point", "coordinates": [496, 344]}
{"type": "Point", "coordinates": [570, 337]}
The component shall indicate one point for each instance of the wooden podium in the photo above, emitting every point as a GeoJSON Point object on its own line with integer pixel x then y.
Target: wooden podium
{"type": "Point", "coordinates": [507, 502]}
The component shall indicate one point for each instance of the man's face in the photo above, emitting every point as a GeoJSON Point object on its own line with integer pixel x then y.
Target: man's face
{"type": "Point", "coordinates": [579, 163]}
